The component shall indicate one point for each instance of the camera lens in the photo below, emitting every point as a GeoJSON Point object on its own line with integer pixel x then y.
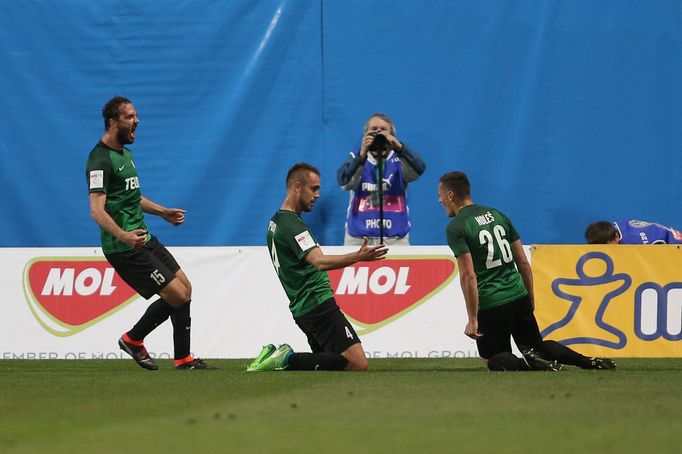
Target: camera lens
{"type": "Point", "coordinates": [378, 143]}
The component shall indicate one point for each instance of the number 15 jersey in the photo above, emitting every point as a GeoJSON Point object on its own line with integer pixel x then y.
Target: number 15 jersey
{"type": "Point", "coordinates": [487, 234]}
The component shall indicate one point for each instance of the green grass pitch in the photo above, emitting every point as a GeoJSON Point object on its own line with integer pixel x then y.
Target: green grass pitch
{"type": "Point", "coordinates": [400, 405]}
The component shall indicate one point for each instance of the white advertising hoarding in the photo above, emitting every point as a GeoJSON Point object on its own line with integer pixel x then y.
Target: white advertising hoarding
{"type": "Point", "coordinates": [68, 303]}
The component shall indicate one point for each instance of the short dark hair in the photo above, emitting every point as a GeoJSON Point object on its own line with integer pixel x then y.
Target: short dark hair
{"type": "Point", "coordinates": [112, 109]}
{"type": "Point", "coordinates": [601, 232]}
{"type": "Point", "coordinates": [458, 183]}
{"type": "Point", "coordinates": [297, 169]}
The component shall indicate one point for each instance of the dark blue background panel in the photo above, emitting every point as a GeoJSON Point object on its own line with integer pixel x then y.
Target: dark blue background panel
{"type": "Point", "coordinates": [562, 113]}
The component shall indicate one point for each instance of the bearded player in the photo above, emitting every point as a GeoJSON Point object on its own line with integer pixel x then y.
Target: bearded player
{"type": "Point", "coordinates": [117, 206]}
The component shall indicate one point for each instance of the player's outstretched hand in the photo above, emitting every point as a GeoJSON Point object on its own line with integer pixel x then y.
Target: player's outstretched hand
{"type": "Point", "coordinates": [175, 216]}
{"type": "Point", "coordinates": [371, 253]}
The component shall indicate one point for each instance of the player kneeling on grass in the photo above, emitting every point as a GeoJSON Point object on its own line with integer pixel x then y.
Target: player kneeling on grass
{"type": "Point", "coordinates": [497, 283]}
{"type": "Point", "coordinates": [301, 267]}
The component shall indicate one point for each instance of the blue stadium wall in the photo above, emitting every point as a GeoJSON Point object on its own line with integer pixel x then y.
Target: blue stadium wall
{"type": "Point", "coordinates": [561, 112]}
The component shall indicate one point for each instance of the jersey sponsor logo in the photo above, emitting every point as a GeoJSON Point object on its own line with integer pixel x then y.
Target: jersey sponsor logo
{"type": "Point", "coordinates": [132, 183]}
{"type": "Point", "coordinates": [305, 240]}
{"type": "Point", "coordinates": [374, 294]}
{"type": "Point", "coordinates": [68, 294]}
{"type": "Point", "coordinates": [96, 179]}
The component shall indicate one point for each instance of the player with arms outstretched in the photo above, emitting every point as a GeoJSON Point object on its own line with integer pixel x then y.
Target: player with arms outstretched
{"type": "Point", "coordinates": [301, 267]}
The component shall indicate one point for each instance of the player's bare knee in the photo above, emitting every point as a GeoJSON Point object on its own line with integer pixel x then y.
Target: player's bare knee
{"type": "Point", "coordinates": [176, 295]}
{"type": "Point", "coordinates": [362, 365]}
{"type": "Point", "coordinates": [186, 294]}
{"type": "Point", "coordinates": [174, 302]}
{"type": "Point", "coordinates": [183, 291]}
{"type": "Point", "coordinates": [184, 282]}
{"type": "Point", "coordinates": [186, 289]}
{"type": "Point", "coordinates": [355, 355]}
{"type": "Point", "coordinates": [357, 364]}
{"type": "Point", "coordinates": [179, 299]}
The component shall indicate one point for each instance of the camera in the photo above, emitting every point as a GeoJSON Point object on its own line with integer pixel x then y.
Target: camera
{"type": "Point", "coordinates": [378, 143]}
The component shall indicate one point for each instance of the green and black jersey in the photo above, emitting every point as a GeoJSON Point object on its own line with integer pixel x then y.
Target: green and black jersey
{"type": "Point", "coordinates": [487, 234]}
{"type": "Point", "coordinates": [289, 240]}
{"type": "Point", "coordinates": [113, 173]}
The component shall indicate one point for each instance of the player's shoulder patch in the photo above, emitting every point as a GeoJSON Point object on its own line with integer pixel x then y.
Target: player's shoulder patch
{"type": "Point", "coordinates": [97, 179]}
{"type": "Point", "coordinates": [305, 240]}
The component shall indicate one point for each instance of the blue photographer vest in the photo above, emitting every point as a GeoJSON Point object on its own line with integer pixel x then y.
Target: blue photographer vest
{"type": "Point", "coordinates": [363, 211]}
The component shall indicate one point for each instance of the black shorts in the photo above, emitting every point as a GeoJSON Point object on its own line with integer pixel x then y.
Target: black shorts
{"type": "Point", "coordinates": [515, 319]}
{"type": "Point", "coordinates": [327, 329]}
{"type": "Point", "coordinates": [147, 269]}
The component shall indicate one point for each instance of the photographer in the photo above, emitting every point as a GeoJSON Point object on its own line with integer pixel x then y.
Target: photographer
{"type": "Point", "coordinates": [381, 153]}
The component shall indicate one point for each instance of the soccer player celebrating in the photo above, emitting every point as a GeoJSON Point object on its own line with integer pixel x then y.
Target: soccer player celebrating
{"type": "Point", "coordinates": [117, 206]}
{"type": "Point", "coordinates": [301, 267]}
{"type": "Point", "coordinates": [497, 283]}
{"type": "Point", "coordinates": [631, 231]}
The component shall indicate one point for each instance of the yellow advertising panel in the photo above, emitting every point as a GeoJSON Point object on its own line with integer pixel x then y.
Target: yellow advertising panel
{"type": "Point", "coordinates": [610, 300]}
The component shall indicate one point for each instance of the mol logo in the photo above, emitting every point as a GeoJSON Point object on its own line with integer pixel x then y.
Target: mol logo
{"type": "Point", "coordinates": [376, 293]}
{"type": "Point", "coordinates": [68, 294]}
